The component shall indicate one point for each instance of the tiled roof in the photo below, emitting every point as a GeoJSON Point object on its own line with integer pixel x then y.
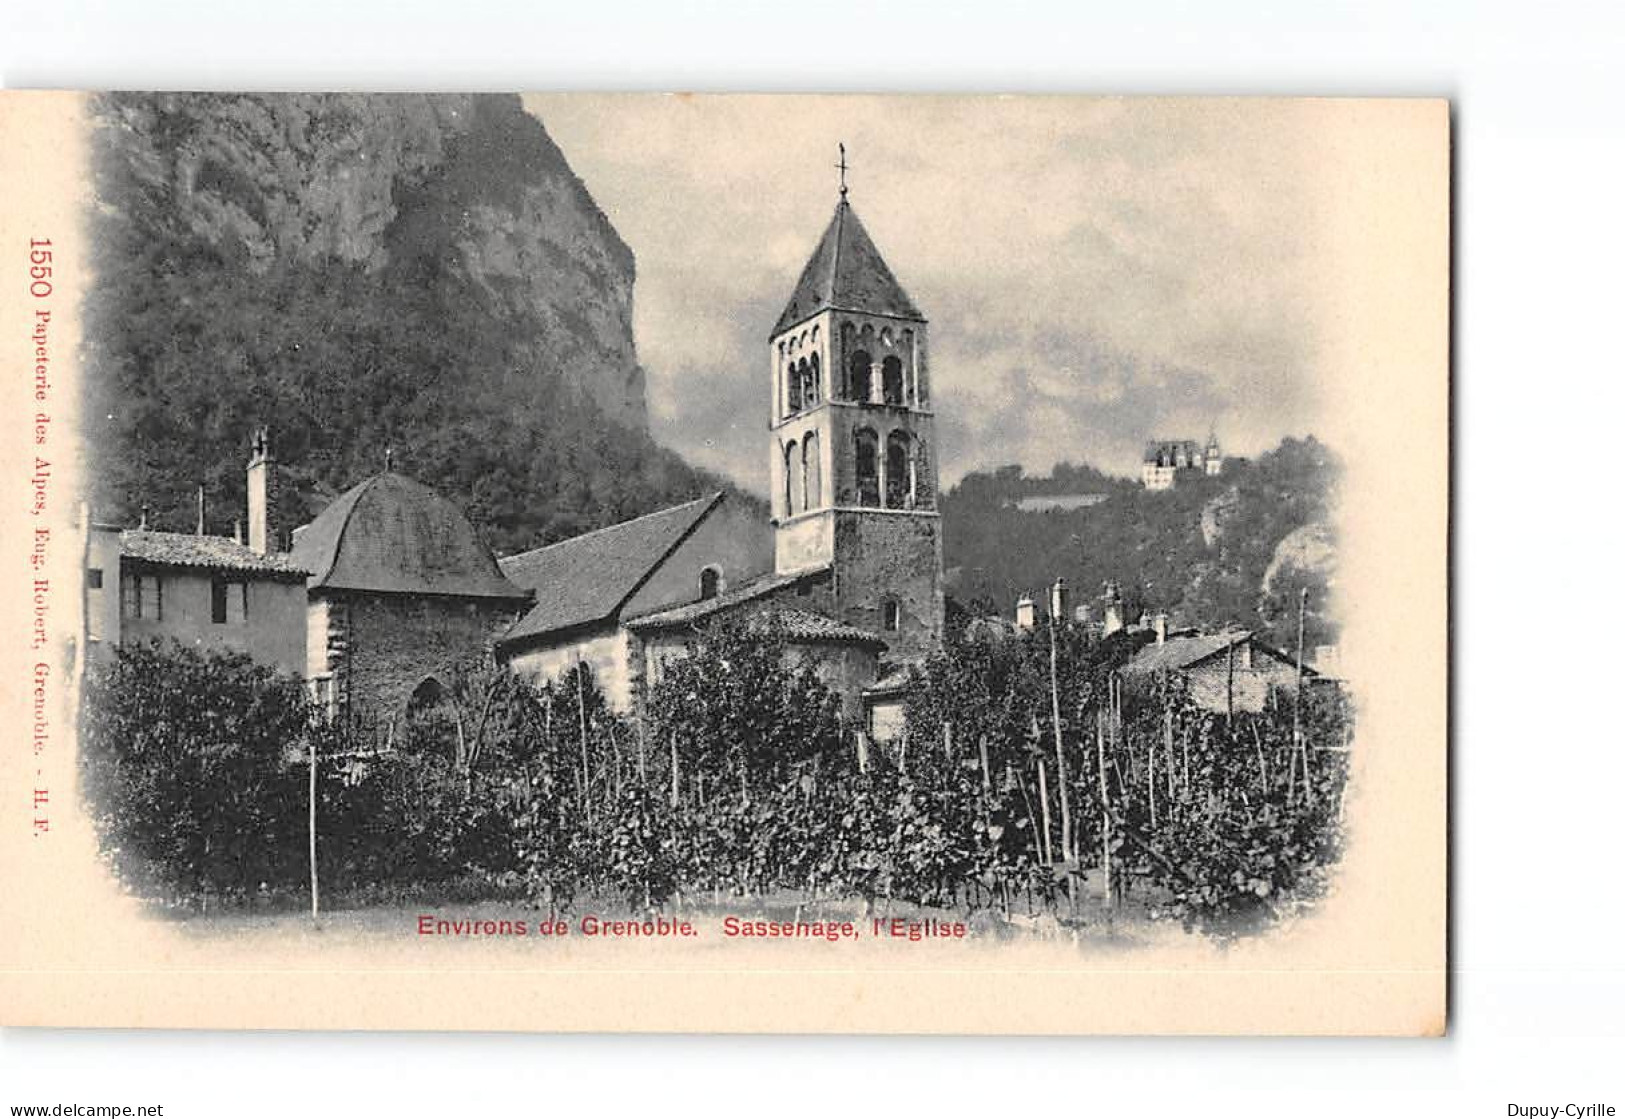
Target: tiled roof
{"type": "Point", "coordinates": [394, 535]}
{"type": "Point", "coordinates": [797, 624]}
{"type": "Point", "coordinates": [674, 616]}
{"type": "Point", "coordinates": [587, 578]}
{"type": "Point", "coordinates": [1164, 451]}
{"type": "Point", "coordinates": [846, 271]}
{"type": "Point", "coordinates": [216, 553]}
{"type": "Point", "coordinates": [793, 622]}
{"type": "Point", "coordinates": [1179, 653]}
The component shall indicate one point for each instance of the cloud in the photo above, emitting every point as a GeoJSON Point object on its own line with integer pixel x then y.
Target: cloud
{"type": "Point", "coordinates": [1097, 272]}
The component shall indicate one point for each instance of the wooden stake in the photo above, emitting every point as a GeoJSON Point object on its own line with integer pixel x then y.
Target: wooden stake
{"type": "Point", "coordinates": [1151, 780]}
{"type": "Point", "coordinates": [676, 787]}
{"type": "Point", "coordinates": [1168, 745]}
{"type": "Point", "coordinates": [1297, 696]}
{"type": "Point", "coordinates": [643, 753]}
{"type": "Point", "coordinates": [1067, 851]}
{"type": "Point", "coordinates": [315, 890]}
{"type": "Point", "coordinates": [1229, 685]}
{"type": "Point", "coordinates": [1105, 809]}
{"type": "Point", "coordinates": [581, 714]}
{"type": "Point", "coordinates": [1043, 804]}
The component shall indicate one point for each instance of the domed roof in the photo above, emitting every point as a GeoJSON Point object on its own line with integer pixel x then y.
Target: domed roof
{"type": "Point", "coordinates": [398, 536]}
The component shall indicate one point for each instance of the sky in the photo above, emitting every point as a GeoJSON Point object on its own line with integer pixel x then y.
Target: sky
{"type": "Point", "coordinates": [1097, 272]}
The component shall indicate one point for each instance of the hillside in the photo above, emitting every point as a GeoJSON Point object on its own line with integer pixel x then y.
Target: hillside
{"type": "Point", "coordinates": [420, 273]}
{"type": "Point", "coordinates": [1201, 550]}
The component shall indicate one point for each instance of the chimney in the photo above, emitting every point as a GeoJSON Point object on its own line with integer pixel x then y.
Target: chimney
{"type": "Point", "coordinates": [262, 494]}
{"type": "Point", "coordinates": [1026, 613]}
{"type": "Point", "coordinates": [1159, 625]}
{"type": "Point", "coordinates": [1058, 596]}
{"type": "Point", "coordinates": [1113, 618]}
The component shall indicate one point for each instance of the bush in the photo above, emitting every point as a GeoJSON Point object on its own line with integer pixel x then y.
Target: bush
{"type": "Point", "coordinates": [191, 772]}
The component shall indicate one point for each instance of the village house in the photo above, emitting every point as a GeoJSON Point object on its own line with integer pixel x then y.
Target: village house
{"type": "Point", "coordinates": [1229, 671]}
{"type": "Point", "coordinates": [210, 593]}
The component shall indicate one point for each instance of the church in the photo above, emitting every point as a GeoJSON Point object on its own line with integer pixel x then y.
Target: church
{"type": "Point", "coordinates": [380, 599]}
{"type": "Point", "coordinates": [848, 568]}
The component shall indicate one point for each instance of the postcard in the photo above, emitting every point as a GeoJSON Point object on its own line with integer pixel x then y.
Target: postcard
{"type": "Point", "coordinates": [725, 563]}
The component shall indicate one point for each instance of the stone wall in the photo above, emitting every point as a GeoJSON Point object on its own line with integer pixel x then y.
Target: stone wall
{"type": "Point", "coordinates": [608, 652]}
{"type": "Point", "coordinates": [897, 556]}
{"type": "Point", "coordinates": [844, 669]}
{"type": "Point", "coordinates": [101, 603]}
{"type": "Point", "coordinates": [1209, 681]}
{"type": "Point", "coordinates": [379, 647]}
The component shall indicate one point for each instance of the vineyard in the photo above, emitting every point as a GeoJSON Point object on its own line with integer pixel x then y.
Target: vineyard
{"type": "Point", "coordinates": [1028, 778]}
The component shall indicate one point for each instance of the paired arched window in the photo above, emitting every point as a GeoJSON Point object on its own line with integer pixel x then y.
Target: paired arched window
{"type": "Point", "coordinates": [860, 373]}
{"type": "Point", "coordinates": [803, 384]}
{"type": "Point", "coordinates": [891, 615]}
{"type": "Point", "coordinates": [867, 451]}
{"type": "Point", "coordinates": [710, 582]}
{"type": "Point", "coordinates": [891, 380]}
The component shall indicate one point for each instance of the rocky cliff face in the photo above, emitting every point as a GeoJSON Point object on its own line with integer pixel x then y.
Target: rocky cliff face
{"type": "Point", "coordinates": [468, 189]}
{"type": "Point", "coordinates": [504, 205]}
{"type": "Point", "coordinates": [419, 273]}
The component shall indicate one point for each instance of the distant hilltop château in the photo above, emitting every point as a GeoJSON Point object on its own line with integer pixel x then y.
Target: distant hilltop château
{"type": "Point", "coordinates": [380, 599]}
{"type": "Point", "coordinates": [1165, 459]}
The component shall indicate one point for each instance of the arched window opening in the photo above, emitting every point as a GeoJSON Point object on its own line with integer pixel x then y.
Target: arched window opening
{"type": "Point", "coordinates": [861, 371]}
{"type": "Point", "coordinates": [843, 363]}
{"type": "Point", "coordinates": [912, 387]}
{"type": "Point", "coordinates": [891, 380]}
{"type": "Point", "coordinates": [899, 487]}
{"type": "Point", "coordinates": [891, 615]}
{"type": "Point", "coordinates": [710, 582]}
{"type": "Point", "coordinates": [867, 448]}
{"type": "Point", "coordinates": [815, 382]}
{"type": "Point", "coordinates": [429, 692]}
{"type": "Point", "coordinates": [812, 472]}
{"type": "Point", "coordinates": [798, 483]}
{"type": "Point", "coordinates": [789, 475]}
{"type": "Point", "coordinates": [792, 383]}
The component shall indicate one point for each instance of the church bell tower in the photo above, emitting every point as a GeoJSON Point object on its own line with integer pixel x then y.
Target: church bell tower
{"type": "Point", "coordinates": [851, 443]}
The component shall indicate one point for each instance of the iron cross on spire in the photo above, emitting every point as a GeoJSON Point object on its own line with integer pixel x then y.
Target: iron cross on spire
{"type": "Point", "coordinates": [844, 167]}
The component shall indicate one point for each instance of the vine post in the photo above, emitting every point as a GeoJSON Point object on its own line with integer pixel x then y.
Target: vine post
{"type": "Point", "coordinates": [1105, 809]}
{"type": "Point", "coordinates": [315, 895]}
